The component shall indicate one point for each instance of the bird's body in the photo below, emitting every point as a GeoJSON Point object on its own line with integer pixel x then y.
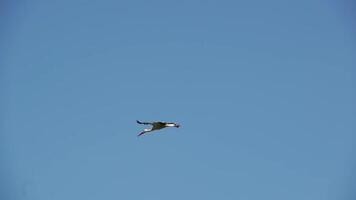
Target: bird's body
{"type": "Point", "coordinates": [156, 126]}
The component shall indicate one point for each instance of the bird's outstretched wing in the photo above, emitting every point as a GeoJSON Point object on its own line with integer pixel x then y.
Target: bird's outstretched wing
{"type": "Point", "coordinates": [143, 132]}
{"type": "Point", "coordinates": [145, 123]}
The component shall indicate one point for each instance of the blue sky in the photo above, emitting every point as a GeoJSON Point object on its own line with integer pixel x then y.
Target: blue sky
{"type": "Point", "coordinates": [264, 91]}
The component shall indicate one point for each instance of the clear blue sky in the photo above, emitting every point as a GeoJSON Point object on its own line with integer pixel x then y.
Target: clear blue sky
{"type": "Point", "coordinates": [264, 91]}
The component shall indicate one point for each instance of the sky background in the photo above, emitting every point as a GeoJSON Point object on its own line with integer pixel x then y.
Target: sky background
{"type": "Point", "coordinates": [264, 91]}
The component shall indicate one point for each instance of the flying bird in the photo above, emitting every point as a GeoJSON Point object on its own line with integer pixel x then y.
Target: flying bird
{"type": "Point", "coordinates": [156, 126]}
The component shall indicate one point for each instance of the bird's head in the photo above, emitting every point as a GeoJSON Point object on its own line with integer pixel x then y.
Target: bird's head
{"type": "Point", "coordinates": [171, 124]}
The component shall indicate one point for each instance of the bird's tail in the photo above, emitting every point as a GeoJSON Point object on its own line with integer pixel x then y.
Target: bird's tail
{"type": "Point", "coordinates": [139, 122]}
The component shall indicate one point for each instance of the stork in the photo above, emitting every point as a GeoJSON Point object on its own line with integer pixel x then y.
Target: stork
{"type": "Point", "coordinates": [156, 126]}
